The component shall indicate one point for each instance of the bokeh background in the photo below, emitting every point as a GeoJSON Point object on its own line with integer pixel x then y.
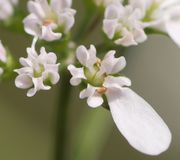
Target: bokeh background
{"type": "Point", "coordinates": [27, 125]}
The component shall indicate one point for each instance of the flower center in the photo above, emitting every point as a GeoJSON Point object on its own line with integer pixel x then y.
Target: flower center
{"type": "Point", "coordinates": [93, 76]}
{"type": "Point", "coordinates": [38, 71]}
{"type": "Point", "coordinates": [52, 18]}
{"type": "Point", "coordinates": [47, 22]}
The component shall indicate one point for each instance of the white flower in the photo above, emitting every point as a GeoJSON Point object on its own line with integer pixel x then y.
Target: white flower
{"type": "Point", "coordinates": [122, 24]}
{"type": "Point", "coordinates": [39, 72]}
{"type": "Point", "coordinates": [105, 3]}
{"type": "Point", "coordinates": [7, 8]}
{"type": "Point", "coordinates": [46, 17]}
{"type": "Point", "coordinates": [163, 15]}
{"type": "Point", "coordinates": [135, 118]}
{"type": "Point", "coordinates": [3, 57]}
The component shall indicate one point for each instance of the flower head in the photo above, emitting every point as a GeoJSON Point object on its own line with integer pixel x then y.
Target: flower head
{"type": "Point", "coordinates": [135, 118]}
{"type": "Point", "coordinates": [163, 15]}
{"type": "Point", "coordinates": [39, 71]}
{"type": "Point", "coordinates": [7, 8]}
{"type": "Point", "coordinates": [49, 21]}
{"type": "Point", "coordinates": [123, 25]}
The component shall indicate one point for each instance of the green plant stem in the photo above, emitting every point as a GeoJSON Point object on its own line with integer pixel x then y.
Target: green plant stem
{"type": "Point", "coordinates": [62, 113]}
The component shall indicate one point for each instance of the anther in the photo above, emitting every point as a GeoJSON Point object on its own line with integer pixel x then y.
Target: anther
{"type": "Point", "coordinates": [48, 22]}
{"type": "Point", "coordinates": [98, 62]}
{"type": "Point", "coordinates": [101, 90]}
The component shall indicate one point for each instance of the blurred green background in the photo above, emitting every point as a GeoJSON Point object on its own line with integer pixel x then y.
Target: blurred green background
{"type": "Point", "coordinates": [27, 125]}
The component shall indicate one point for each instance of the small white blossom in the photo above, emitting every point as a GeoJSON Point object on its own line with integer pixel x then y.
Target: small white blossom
{"type": "Point", "coordinates": [49, 21]}
{"type": "Point", "coordinates": [39, 71]}
{"type": "Point", "coordinates": [3, 57]}
{"type": "Point", "coordinates": [122, 24]}
{"type": "Point", "coordinates": [7, 8]}
{"type": "Point", "coordinates": [163, 15]}
{"type": "Point", "coordinates": [135, 118]}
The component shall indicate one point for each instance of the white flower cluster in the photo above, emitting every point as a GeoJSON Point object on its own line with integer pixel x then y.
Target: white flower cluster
{"type": "Point", "coordinates": [3, 57]}
{"type": "Point", "coordinates": [125, 24]}
{"type": "Point", "coordinates": [39, 71]}
{"type": "Point", "coordinates": [135, 118]}
{"type": "Point", "coordinates": [49, 20]}
{"type": "Point", "coordinates": [7, 8]}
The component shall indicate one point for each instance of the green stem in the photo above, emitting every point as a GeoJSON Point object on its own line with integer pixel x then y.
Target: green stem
{"type": "Point", "coordinates": [62, 113]}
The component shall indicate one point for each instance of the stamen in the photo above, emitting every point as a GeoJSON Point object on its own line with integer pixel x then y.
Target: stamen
{"type": "Point", "coordinates": [48, 22]}
{"type": "Point", "coordinates": [98, 62]}
{"type": "Point", "coordinates": [101, 90]}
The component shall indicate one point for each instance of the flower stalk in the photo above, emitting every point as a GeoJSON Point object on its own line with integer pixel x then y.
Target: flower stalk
{"type": "Point", "coordinates": [62, 117]}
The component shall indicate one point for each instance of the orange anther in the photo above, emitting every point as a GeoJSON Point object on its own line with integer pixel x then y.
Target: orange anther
{"type": "Point", "coordinates": [101, 90]}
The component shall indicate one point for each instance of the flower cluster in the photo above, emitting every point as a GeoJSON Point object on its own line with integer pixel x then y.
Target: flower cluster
{"type": "Point", "coordinates": [39, 71]}
{"type": "Point", "coordinates": [7, 8]}
{"type": "Point", "coordinates": [49, 21]}
{"type": "Point", "coordinates": [144, 129]}
{"type": "Point", "coordinates": [125, 24]}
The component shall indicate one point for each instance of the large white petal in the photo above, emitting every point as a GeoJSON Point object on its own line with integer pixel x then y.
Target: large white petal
{"type": "Point", "coordinates": [138, 122]}
{"type": "Point", "coordinates": [116, 82]}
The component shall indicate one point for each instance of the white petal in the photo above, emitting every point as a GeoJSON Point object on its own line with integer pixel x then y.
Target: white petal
{"type": "Point", "coordinates": [116, 82]}
{"type": "Point", "coordinates": [37, 9]}
{"type": "Point", "coordinates": [77, 75]}
{"type": "Point", "coordinates": [138, 122]}
{"type": "Point", "coordinates": [38, 85]}
{"type": "Point", "coordinates": [52, 76]}
{"type": "Point", "coordinates": [82, 55]}
{"type": "Point", "coordinates": [58, 5]}
{"type": "Point", "coordinates": [49, 35]}
{"type": "Point", "coordinates": [112, 11]}
{"type": "Point", "coordinates": [127, 39]}
{"type": "Point", "coordinates": [32, 25]}
{"type": "Point", "coordinates": [6, 10]}
{"type": "Point", "coordinates": [92, 56]}
{"type": "Point", "coordinates": [89, 91]}
{"type": "Point", "coordinates": [3, 55]}
{"type": "Point", "coordinates": [86, 57]}
{"type": "Point", "coordinates": [49, 58]}
{"type": "Point", "coordinates": [173, 24]}
{"type": "Point", "coordinates": [109, 27]}
{"type": "Point", "coordinates": [139, 35]}
{"type": "Point", "coordinates": [66, 19]}
{"type": "Point", "coordinates": [23, 81]}
{"type": "Point", "coordinates": [112, 65]}
{"type": "Point", "coordinates": [94, 99]}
